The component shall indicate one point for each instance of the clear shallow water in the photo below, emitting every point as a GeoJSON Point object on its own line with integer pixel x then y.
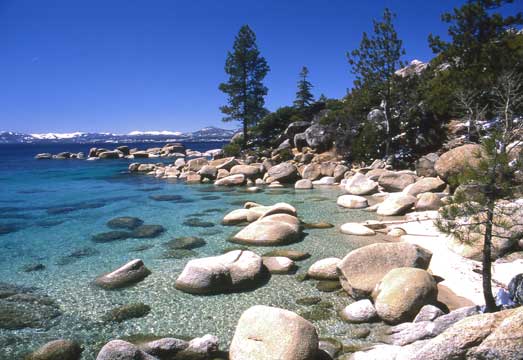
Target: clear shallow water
{"type": "Point", "coordinates": [57, 206]}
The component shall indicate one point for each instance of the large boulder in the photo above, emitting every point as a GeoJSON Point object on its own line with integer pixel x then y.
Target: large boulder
{"type": "Point", "coordinates": [254, 211]}
{"type": "Point", "coordinates": [303, 184]}
{"type": "Point", "coordinates": [396, 204]}
{"type": "Point", "coordinates": [464, 340]}
{"type": "Point", "coordinates": [362, 269]}
{"type": "Point", "coordinates": [453, 162]}
{"type": "Point", "coordinates": [235, 270]}
{"type": "Point", "coordinates": [324, 269]}
{"type": "Point", "coordinates": [425, 165]}
{"type": "Point", "coordinates": [126, 275]}
{"type": "Point", "coordinates": [284, 173]}
{"type": "Point", "coordinates": [428, 184]}
{"type": "Point", "coordinates": [196, 164]}
{"type": "Point", "coordinates": [339, 172]}
{"type": "Point", "coordinates": [109, 155]}
{"type": "Point", "coordinates": [505, 342]}
{"type": "Point", "coordinates": [122, 350]}
{"type": "Point", "coordinates": [231, 180]}
{"type": "Point", "coordinates": [428, 201]}
{"type": "Point", "coordinates": [300, 141]}
{"type": "Point", "coordinates": [294, 128]}
{"type": "Point", "coordinates": [270, 230]}
{"type": "Point", "coordinates": [396, 181]}
{"type": "Point", "coordinates": [311, 171]}
{"type": "Point", "coordinates": [43, 156]}
{"type": "Point", "coordinates": [268, 333]}
{"type": "Point", "coordinates": [359, 184]}
{"type": "Point", "coordinates": [402, 293]}
{"type": "Point", "coordinates": [208, 172]}
{"type": "Point", "coordinates": [58, 350]}
{"type": "Point", "coordinates": [249, 171]}
{"type": "Point", "coordinates": [319, 137]}
{"type": "Point", "coordinates": [225, 163]}
{"type": "Point", "coordinates": [352, 202]}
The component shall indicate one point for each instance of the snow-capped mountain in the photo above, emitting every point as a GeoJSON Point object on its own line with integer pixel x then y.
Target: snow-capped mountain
{"type": "Point", "coordinates": [205, 134]}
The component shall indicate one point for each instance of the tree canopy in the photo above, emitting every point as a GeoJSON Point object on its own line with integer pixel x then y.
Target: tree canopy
{"type": "Point", "coordinates": [245, 89]}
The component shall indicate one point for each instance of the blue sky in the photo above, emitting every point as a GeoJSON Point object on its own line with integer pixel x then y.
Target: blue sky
{"type": "Point", "coordinates": [123, 65]}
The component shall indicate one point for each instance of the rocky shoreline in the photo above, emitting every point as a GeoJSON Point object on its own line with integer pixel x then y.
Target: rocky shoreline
{"type": "Point", "coordinates": [423, 283]}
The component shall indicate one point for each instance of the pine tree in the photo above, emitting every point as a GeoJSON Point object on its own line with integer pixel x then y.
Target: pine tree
{"type": "Point", "coordinates": [484, 44]}
{"type": "Point", "coordinates": [374, 63]}
{"type": "Point", "coordinates": [304, 96]}
{"type": "Point", "coordinates": [245, 90]}
{"type": "Point", "coordinates": [488, 213]}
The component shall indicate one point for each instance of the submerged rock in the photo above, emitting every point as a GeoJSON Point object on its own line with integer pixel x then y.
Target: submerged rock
{"type": "Point", "coordinates": [291, 254]}
{"type": "Point", "coordinates": [126, 275]}
{"type": "Point", "coordinates": [126, 312]}
{"type": "Point", "coordinates": [111, 236]}
{"type": "Point", "coordinates": [77, 255]}
{"type": "Point", "coordinates": [33, 267]}
{"type": "Point", "coordinates": [268, 333]}
{"type": "Point", "coordinates": [328, 285]}
{"type": "Point", "coordinates": [147, 231]}
{"type": "Point", "coordinates": [194, 222]}
{"type": "Point", "coordinates": [57, 350]}
{"type": "Point", "coordinates": [8, 228]}
{"type": "Point", "coordinates": [166, 197]}
{"type": "Point", "coordinates": [125, 222]}
{"type": "Point", "coordinates": [22, 307]}
{"type": "Point", "coordinates": [186, 242]}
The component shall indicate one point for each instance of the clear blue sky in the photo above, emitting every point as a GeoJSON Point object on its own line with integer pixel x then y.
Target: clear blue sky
{"type": "Point", "coordinates": [123, 65]}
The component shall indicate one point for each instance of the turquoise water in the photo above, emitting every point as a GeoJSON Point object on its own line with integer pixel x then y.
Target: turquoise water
{"type": "Point", "coordinates": [51, 209]}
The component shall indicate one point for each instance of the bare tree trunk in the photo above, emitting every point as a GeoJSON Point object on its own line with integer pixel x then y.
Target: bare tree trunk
{"type": "Point", "coordinates": [490, 303]}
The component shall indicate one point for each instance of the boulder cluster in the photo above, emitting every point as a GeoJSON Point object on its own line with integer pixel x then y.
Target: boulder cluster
{"type": "Point", "coordinates": [170, 150]}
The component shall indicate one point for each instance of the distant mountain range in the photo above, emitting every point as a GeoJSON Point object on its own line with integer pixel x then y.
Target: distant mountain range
{"type": "Point", "coordinates": [203, 135]}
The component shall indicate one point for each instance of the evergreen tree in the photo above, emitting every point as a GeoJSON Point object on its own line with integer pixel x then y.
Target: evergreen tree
{"type": "Point", "coordinates": [245, 90]}
{"type": "Point", "coordinates": [304, 96]}
{"type": "Point", "coordinates": [374, 63]}
{"type": "Point", "coordinates": [488, 214]}
{"type": "Point", "coordinates": [484, 44]}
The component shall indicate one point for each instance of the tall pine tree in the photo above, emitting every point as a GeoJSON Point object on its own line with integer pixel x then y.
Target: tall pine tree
{"type": "Point", "coordinates": [304, 96]}
{"type": "Point", "coordinates": [245, 90]}
{"type": "Point", "coordinates": [484, 44]}
{"type": "Point", "coordinates": [374, 64]}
